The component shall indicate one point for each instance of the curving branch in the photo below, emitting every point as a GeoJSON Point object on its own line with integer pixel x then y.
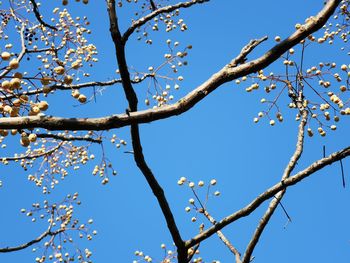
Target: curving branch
{"type": "Point", "coordinates": [226, 74]}
{"type": "Point", "coordinates": [38, 16]}
{"type": "Point", "coordinates": [269, 193]}
{"type": "Point", "coordinates": [32, 242]}
{"type": "Point", "coordinates": [158, 192]}
{"type": "Point", "coordinates": [48, 232]}
{"type": "Point", "coordinates": [166, 9]}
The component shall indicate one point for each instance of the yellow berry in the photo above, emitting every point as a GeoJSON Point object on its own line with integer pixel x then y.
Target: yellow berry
{"type": "Point", "coordinates": [45, 80]}
{"type": "Point", "coordinates": [82, 98]}
{"type": "Point", "coordinates": [59, 70]}
{"type": "Point", "coordinates": [32, 137]}
{"type": "Point", "coordinates": [18, 75]}
{"type": "Point", "coordinates": [5, 55]}
{"type": "Point", "coordinates": [68, 80]}
{"type": "Point", "coordinates": [6, 84]}
{"type": "Point", "coordinates": [14, 63]}
{"type": "Point", "coordinates": [15, 83]}
{"type": "Point", "coordinates": [43, 105]}
{"type": "Point", "coordinates": [24, 141]}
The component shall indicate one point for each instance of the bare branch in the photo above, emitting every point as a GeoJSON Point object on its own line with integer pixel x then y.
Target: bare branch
{"type": "Point", "coordinates": [313, 168]}
{"type": "Point", "coordinates": [38, 16]}
{"type": "Point", "coordinates": [158, 192]}
{"type": "Point", "coordinates": [73, 87]}
{"type": "Point", "coordinates": [166, 9]}
{"type": "Point", "coordinates": [223, 238]}
{"type": "Point", "coordinates": [242, 57]}
{"type": "Point", "coordinates": [225, 75]}
{"type": "Point", "coordinates": [135, 134]}
{"type": "Point", "coordinates": [342, 173]}
{"type": "Point", "coordinates": [41, 50]}
{"type": "Point", "coordinates": [278, 197]}
{"type": "Point", "coordinates": [68, 138]}
{"type": "Point", "coordinates": [48, 232]}
{"type": "Point", "coordinates": [32, 156]}
{"type": "Point", "coordinates": [32, 242]}
{"type": "Point", "coordinates": [120, 53]}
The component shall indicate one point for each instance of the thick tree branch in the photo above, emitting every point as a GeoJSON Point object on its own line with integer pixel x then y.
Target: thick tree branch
{"type": "Point", "coordinates": [278, 197]}
{"type": "Point", "coordinates": [158, 192]}
{"type": "Point", "coordinates": [135, 135]}
{"type": "Point", "coordinates": [120, 53]}
{"type": "Point", "coordinates": [225, 75]}
{"type": "Point", "coordinates": [269, 193]}
{"type": "Point", "coordinates": [166, 9]}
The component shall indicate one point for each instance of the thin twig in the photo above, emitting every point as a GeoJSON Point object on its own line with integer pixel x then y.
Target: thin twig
{"type": "Point", "coordinates": [166, 9]}
{"type": "Point", "coordinates": [68, 138]}
{"type": "Point", "coordinates": [73, 87]}
{"type": "Point", "coordinates": [227, 243]}
{"type": "Point", "coordinates": [284, 210]}
{"type": "Point", "coordinates": [342, 172]}
{"type": "Point", "coordinates": [32, 156]}
{"type": "Point", "coordinates": [242, 57]}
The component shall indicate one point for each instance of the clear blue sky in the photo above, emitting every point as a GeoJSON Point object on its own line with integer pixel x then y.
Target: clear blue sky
{"type": "Point", "coordinates": [216, 139]}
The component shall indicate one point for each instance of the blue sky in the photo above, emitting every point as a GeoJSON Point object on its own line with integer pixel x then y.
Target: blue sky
{"type": "Point", "coordinates": [216, 139]}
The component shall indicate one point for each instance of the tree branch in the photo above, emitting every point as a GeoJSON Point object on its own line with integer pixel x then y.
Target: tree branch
{"type": "Point", "coordinates": [242, 57]}
{"type": "Point", "coordinates": [32, 242]}
{"type": "Point", "coordinates": [225, 75]}
{"type": "Point", "coordinates": [38, 16]}
{"type": "Point", "coordinates": [135, 134]}
{"type": "Point", "coordinates": [223, 238]}
{"type": "Point", "coordinates": [166, 9]}
{"type": "Point", "coordinates": [313, 168]}
{"type": "Point", "coordinates": [278, 197]}
{"type": "Point", "coordinates": [68, 138]}
{"type": "Point", "coordinates": [158, 192]}
{"type": "Point", "coordinates": [120, 53]}
{"type": "Point", "coordinates": [72, 87]}
{"type": "Point", "coordinates": [48, 232]}
{"type": "Point", "coordinates": [32, 156]}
